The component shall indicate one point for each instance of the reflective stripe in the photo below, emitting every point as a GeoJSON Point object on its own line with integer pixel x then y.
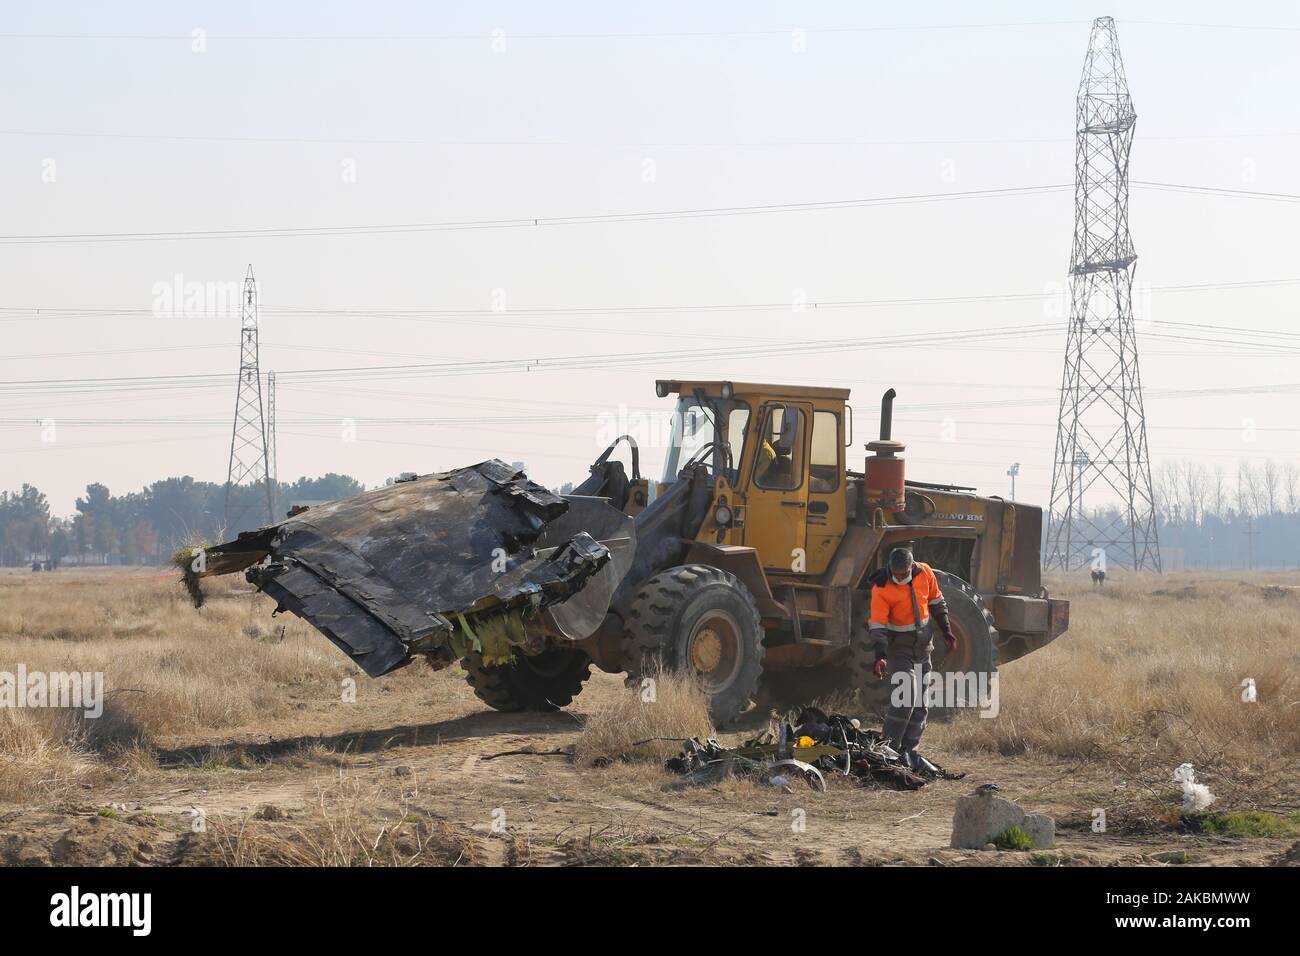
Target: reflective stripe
{"type": "Point", "coordinates": [900, 628]}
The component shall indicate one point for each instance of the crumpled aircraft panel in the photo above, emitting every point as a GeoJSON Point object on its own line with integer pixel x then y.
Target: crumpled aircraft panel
{"type": "Point", "coordinates": [392, 570]}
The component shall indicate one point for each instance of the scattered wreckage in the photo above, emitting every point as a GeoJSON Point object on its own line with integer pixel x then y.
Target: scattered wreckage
{"type": "Point", "coordinates": [811, 747]}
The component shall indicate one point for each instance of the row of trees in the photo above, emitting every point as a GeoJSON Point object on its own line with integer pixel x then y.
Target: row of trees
{"type": "Point", "coordinates": [1243, 516]}
{"type": "Point", "coordinates": [1187, 492]}
{"type": "Point", "coordinates": [1212, 516]}
{"type": "Point", "coordinates": [146, 526]}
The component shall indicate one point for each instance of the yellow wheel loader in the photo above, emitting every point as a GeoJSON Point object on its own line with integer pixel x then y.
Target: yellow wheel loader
{"type": "Point", "coordinates": [747, 567]}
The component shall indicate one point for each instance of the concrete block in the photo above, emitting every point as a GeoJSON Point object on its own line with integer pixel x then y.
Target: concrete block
{"type": "Point", "coordinates": [981, 817]}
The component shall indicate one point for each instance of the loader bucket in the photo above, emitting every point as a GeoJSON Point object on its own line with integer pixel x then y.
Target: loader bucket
{"type": "Point", "coordinates": [439, 565]}
{"type": "Point", "coordinates": [583, 612]}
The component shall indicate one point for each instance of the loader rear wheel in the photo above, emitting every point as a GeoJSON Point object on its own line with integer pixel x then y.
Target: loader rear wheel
{"type": "Point", "coordinates": [977, 637]}
{"type": "Point", "coordinates": [700, 621]}
{"type": "Point", "coordinates": [543, 682]}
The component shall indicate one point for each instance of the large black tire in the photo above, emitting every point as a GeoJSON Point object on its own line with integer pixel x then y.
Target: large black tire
{"type": "Point", "coordinates": [544, 682]}
{"type": "Point", "coordinates": [977, 636]}
{"type": "Point", "coordinates": [977, 649]}
{"type": "Point", "coordinates": [700, 621]}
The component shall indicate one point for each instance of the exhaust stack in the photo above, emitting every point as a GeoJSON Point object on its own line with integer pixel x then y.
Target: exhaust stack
{"type": "Point", "coordinates": [884, 485]}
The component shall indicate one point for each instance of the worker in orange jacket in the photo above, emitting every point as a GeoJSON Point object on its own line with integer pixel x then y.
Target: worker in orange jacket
{"type": "Point", "coordinates": [905, 604]}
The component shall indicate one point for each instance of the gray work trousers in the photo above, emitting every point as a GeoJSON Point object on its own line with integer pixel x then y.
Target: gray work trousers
{"type": "Point", "coordinates": [909, 663]}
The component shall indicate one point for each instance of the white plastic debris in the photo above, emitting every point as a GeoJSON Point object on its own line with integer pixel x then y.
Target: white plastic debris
{"type": "Point", "coordinates": [1196, 796]}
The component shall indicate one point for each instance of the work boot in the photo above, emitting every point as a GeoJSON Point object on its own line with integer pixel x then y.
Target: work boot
{"type": "Point", "coordinates": [919, 764]}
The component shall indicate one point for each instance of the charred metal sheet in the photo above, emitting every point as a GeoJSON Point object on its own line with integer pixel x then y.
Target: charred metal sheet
{"type": "Point", "coordinates": [397, 570]}
{"type": "Point", "coordinates": [810, 774]}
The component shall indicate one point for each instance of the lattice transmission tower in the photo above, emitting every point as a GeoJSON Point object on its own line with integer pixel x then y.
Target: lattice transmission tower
{"type": "Point", "coordinates": [248, 452]}
{"type": "Point", "coordinates": [1101, 436]}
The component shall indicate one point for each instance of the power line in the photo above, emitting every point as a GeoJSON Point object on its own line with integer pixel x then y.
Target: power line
{"type": "Point", "coordinates": [484, 37]}
{"type": "Point", "coordinates": [532, 222]}
{"type": "Point", "coordinates": [101, 352]}
{"type": "Point", "coordinates": [1268, 27]}
{"type": "Point", "coordinates": [323, 419]}
{"type": "Point", "coordinates": [784, 32]}
{"type": "Point", "coordinates": [933, 339]}
{"type": "Point", "coordinates": [1217, 191]}
{"type": "Point", "coordinates": [19, 313]}
{"type": "Point", "coordinates": [606, 144]}
{"type": "Point", "coordinates": [548, 363]}
{"type": "Point", "coordinates": [606, 218]}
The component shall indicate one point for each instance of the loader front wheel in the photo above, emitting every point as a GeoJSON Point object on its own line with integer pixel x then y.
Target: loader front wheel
{"type": "Point", "coordinates": [702, 622]}
{"type": "Point", "coordinates": [543, 682]}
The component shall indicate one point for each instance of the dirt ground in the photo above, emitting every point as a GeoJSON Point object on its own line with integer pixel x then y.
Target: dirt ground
{"type": "Point", "coordinates": [408, 774]}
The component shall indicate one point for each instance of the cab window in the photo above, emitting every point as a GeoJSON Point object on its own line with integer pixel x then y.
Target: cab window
{"type": "Point", "coordinates": [693, 436]}
{"type": "Point", "coordinates": [737, 433]}
{"type": "Point", "coordinates": [779, 464]}
{"type": "Point", "coordinates": [824, 470]}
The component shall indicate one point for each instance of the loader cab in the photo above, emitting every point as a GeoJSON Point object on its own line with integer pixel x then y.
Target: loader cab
{"type": "Point", "coordinates": [704, 429]}
{"type": "Point", "coordinates": [778, 466]}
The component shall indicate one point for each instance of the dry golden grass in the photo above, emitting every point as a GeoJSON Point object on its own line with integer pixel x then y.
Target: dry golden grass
{"type": "Point", "coordinates": [638, 724]}
{"type": "Point", "coordinates": [1141, 682]}
{"type": "Point", "coordinates": [1147, 680]}
{"type": "Point", "coordinates": [168, 669]}
{"type": "Point", "coordinates": [348, 824]}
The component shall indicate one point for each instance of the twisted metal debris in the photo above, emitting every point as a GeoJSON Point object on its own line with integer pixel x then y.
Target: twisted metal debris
{"type": "Point", "coordinates": [816, 745]}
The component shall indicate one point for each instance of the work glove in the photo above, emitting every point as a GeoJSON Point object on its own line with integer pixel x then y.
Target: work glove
{"type": "Point", "coordinates": [949, 639]}
{"type": "Point", "coordinates": [881, 664]}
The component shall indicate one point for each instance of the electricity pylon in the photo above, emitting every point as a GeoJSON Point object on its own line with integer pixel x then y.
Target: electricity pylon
{"type": "Point", "coordinates": [248, 452]}
{"type": "Point", "coordinates": [1101, 436]}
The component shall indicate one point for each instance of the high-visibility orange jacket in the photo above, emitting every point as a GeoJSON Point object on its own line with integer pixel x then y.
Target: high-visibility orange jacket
{"type": "Point", "coordinates": [891, 603]}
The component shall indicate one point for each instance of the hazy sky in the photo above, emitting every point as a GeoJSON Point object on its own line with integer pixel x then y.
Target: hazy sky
{"type": "Point", "coordinates": [340, 114]}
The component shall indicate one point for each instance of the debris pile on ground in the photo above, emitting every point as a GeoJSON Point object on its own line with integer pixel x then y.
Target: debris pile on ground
{"type": "Point", "coordinates": [812, 746]}
{"type": "Point", "coordinates": [1183, 594]}
{"type": "Point", "coordinates": [982, 818]}
{"type": "Point", "coordinates": [1278, 592]}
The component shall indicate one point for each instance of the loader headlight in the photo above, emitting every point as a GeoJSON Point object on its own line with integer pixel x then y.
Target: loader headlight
{"type": "Point", "coordinates": [722, 516]}
{"type": "Point", "coordinates": [728, 391]}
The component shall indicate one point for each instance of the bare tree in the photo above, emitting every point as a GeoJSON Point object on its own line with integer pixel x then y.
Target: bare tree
{"type": "Point", "coordinates": [1248, 497]}
{"type": "Point", "coordinates": [1270, 480]}
{"type": "Point", "coordinates": [1291, 486]}
{"type": "Point", "coordinates": [1166, 489]}
{"type": "Point", "coordinates": [1194, 489]}
{"type": "Point", "coordinates": [1219, 491]}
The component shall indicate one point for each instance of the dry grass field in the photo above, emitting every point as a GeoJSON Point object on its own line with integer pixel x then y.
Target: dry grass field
{"type": "Point", "coordinates": [227, 738]}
